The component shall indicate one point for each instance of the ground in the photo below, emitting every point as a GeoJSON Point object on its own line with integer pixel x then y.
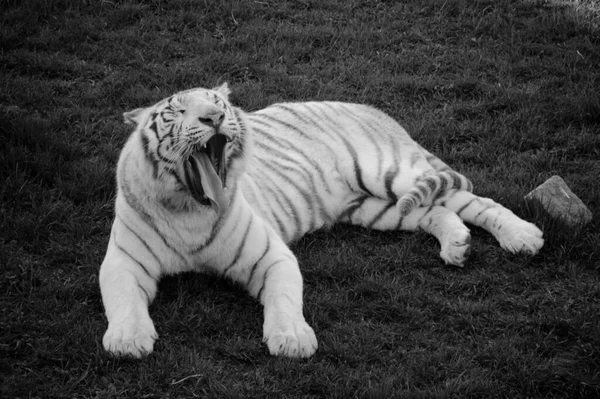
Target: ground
{"type": "Point", "coordinates": [504, 91]}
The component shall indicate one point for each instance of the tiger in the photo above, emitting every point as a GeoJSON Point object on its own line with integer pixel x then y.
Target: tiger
{"type": "Point", "coordinates": [204, 186]}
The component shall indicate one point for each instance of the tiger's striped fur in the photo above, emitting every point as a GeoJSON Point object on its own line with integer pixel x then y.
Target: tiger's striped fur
{"type": "Point", "coordinates": [205, 186]}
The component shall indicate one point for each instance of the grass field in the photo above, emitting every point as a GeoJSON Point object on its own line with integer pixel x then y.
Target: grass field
{"type": "Point", "coordinates": [505, 91]}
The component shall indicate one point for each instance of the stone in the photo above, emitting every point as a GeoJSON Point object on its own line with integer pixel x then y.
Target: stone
{"type": "Point", "coordinates": [561, 203]}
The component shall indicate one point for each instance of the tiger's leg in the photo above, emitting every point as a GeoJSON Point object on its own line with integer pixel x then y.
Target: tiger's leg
{"type": "Point", "coordinates": [513, 233]}
{"type": "Point", "coordinates": [454, 237]}
{"type": "Point", "coordinates": [126, 293]}
{"type": "Point", "coordinates": [275, 280]}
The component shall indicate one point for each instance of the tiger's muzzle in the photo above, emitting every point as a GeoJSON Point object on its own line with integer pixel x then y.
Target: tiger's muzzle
{"type": "Point", "coordinates": [206, 172]}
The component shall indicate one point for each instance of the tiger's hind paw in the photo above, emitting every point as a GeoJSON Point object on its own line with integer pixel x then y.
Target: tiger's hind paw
{"type": "Point", "coordinates": [457, 248]}
{"type": "Point", "coordinates": [521, 237]}
{"type": "Point", "coordinates": [291, 339]}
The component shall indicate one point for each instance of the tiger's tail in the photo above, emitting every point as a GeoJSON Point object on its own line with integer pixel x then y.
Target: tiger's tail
{"type": "Point", "coordinates": [429, 186]}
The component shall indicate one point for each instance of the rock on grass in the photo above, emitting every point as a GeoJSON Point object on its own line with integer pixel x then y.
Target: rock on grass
{"type": "Point", "coordinates": [561, 203]}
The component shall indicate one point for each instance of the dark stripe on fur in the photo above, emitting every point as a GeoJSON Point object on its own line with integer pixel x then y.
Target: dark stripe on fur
{"type": "Point", "coordinates": [240, 249]}
{"type": "Point", "coordinates": [431, 184]}
{"type": "Point", "coordinates": [154, 128]}
{"type": "Point", "coordinates": [216, 228]}
{"type": "Point", "coordinates": [133, 259]}
{"type": "Point", "coordinates": [487, 207]}
{"type": "Point", "coordinates": [441, 192]}
{"type": "Point", "coordinates": [455, 179]}
{"type": "Point", "coordinates": [294, 112]}
{"type": "Point", "coordinates": [353, 154]}
{"type": "Point", "coordinates": [366, 129]}
{"type": "Point", "coordinates": [352, 207]}
{"type": "Point", "coordinates": [145, 293]}
{"type": "Point", "coordinates": [141, 240]}
{"type": "Point", "coordinates": [465, 206]}
{"type": "Point", "coordinates": [149, 155]}
{"type": "Point", "coordinates": [291, 208]}
{"type": "Point", "coordinates": [429, 209]}
{"type": "Point", "coordinates": [399, 224]}
{"type": "Point", "coordinates": [414, 158]}
{"type": "Point", "coordinates": [280, 122]}
{"type": "Point", "coordinates": [379, 215]}
{"type": "Point", "coordinates": [175, 174]}
{"type": "Point", "coordinates": [267, 248]}
{"type": "Point", "coordinates": [266, 276]}
{"type": "Point", "coordinates": [281, 226]}
{"type": "Point", "coordinates": [238, 148]}
{"type": "Point", "coordinates": [318, 114]}
{"type": "Point", "coordinates": [277, 198]}
{"type": "Point", "coordinates": [163, 139]}
{"type": "Point", "coordinates": [308, 120]}
{"type": "Point", "coordinates": [388, 179]}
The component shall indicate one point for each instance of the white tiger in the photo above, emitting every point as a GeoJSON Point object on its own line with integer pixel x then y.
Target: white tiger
{"type": "Point", "coordinates": [203, 185]}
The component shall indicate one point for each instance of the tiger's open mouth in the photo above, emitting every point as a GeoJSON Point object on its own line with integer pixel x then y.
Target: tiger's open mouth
{"type": "Point", "coordinates": [205, 173]}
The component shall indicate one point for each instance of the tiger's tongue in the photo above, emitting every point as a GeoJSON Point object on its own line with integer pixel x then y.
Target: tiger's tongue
{"type": "Point", "coordinates": [210, 181]}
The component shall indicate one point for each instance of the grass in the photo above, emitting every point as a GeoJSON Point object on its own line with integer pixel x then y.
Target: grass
{"type": "Point", "coordinates": [505, 91]}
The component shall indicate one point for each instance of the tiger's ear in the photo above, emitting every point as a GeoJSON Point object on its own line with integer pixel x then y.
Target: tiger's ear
{"type": "Point", "coordinates": [134, 117]}
{"type": "Point", "coordinates": [224, 90]}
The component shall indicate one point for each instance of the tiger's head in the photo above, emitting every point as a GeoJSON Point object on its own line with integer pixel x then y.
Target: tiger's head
{"type": "Point", "coordinates": [194, 142]}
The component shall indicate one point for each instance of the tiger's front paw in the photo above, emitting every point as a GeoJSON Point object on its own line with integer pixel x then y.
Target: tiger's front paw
{"type": "Point", "coordinates": [520, 236]}
{"type": "Point", "coordinates": [134, 338]}
{"type": "Point", "coordinates": [291, 338]}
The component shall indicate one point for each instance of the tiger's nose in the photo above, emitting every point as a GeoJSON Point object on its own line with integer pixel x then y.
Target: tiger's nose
{"type": "Point", "coordinates": [215, 119]}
